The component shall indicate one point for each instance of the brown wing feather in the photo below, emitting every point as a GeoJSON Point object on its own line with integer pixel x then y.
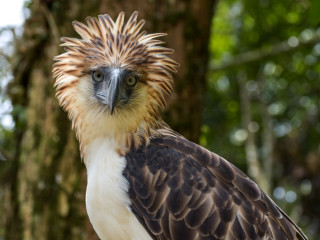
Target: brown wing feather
{"type": "Point", "coordinates": [180, 190]}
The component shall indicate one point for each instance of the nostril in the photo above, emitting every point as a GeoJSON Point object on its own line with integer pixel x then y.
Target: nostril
{"type": "Point", "coordinates": [102, 98]}
{"type": "Point", "coordinates": [124, 99]}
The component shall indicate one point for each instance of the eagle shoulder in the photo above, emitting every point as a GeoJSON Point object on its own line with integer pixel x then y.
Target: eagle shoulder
{"type": "Point", "coordinates": [180, 190]}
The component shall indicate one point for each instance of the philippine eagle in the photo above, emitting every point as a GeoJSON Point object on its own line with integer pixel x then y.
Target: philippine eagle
{"type": "Point", "coordinates": [146, 181]}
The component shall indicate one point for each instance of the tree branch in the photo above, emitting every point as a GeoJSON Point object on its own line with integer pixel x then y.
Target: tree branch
{"type": "Point", "coordinates": [258, 54]}
{"type": "Point", "coordinates": [52, 24]}
{"type": "Point", "coordinates": [7, 57]}
{"type": "Point", "coordinates": [4, 156]}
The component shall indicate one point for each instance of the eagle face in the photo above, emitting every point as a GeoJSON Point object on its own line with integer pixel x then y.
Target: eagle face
{"type": "Point", "coordinates": [115, 76]}
{"type": "Point", "coordinates": [115, 87]}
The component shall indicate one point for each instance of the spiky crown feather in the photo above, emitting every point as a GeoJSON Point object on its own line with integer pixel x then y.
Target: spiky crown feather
{"type": "Point", "coordinates": [106, 43]}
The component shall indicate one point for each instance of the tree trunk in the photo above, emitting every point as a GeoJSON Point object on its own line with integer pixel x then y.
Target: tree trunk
{"type": "Point", "coordinates": [254, 166]}
{"type": "Point", "coordinates": [47, 190]}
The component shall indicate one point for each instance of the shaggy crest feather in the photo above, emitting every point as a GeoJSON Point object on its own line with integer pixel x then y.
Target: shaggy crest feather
{"type": "Point", "coordinates": [106, 43]}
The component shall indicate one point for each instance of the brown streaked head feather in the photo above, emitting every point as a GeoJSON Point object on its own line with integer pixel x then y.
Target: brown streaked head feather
{"type": "Point", "coordinates": [119, 44]}
{"type": "Point", "coordinates": [109, 43]}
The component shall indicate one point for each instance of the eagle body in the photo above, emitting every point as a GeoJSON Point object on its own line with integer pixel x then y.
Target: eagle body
{"type": "Point", "coordinates": [145, 181]}
{"type": "Point", "coordinates": [107, 201]}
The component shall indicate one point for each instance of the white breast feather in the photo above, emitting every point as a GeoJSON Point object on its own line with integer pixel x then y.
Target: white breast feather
{"type": "Point", "coordinates": [107, 201]}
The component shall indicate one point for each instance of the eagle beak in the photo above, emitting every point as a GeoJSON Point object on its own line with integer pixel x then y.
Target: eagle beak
{"type": "Point", "coordinates": [113, 93]}
{"type": "Point", "coordinates": [108, 93]}
{"type": "Point", "coordinates": [112, 89]}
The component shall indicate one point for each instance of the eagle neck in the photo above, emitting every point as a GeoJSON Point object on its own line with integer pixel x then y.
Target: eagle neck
{"type": "Point", "coordinates": [117, 138]}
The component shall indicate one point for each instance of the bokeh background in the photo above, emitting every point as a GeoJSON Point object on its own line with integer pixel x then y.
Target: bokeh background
{"type": "Point", "coordinates": [248, 88]}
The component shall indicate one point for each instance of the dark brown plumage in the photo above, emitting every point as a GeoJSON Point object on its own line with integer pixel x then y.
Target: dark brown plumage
{"type": "Point", "coordinates": [180, 190]}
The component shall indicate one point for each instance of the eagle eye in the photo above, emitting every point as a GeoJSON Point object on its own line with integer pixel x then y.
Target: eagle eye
{"type": "Point", "coordinates": [97, 76]}
{"type": "Point", "coordinates": [131, 81]}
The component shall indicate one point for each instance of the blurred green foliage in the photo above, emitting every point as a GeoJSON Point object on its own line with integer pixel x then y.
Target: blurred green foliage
{"type": "Point", "coordinates": [283, 36]}
{"type": "Point", "coordinates": [314, 15]}
{"type": "Point", "coordinates": [290, 92]}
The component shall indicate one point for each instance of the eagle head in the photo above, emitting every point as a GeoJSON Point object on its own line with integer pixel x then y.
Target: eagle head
{"type": "Point", "coordinates": [115, 78]}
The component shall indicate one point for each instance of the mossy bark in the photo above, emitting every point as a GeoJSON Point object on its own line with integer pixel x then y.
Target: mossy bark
{"type": "Point", "coordinates": [47, 191]}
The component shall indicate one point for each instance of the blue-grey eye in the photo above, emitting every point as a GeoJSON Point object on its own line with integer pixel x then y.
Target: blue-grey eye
{"type": "Point", "coordinates": [131, 81]}
{"type": "Point", "coordinates": [97, 76]}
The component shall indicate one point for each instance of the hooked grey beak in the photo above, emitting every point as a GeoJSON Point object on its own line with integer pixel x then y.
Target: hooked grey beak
{"type": "Point", "coordinates": [113, 93]}
{"type": "Point", "coordinates": [109, 93]}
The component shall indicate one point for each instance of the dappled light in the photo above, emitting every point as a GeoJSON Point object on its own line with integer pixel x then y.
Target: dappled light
{"type": "Point", "coordinates": [271, 47]}
{"type": "Point", "coordinates": [248, 88]}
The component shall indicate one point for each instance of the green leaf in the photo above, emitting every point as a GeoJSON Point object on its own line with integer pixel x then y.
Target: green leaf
{"type": "Point", "coordinates": [314, 12]}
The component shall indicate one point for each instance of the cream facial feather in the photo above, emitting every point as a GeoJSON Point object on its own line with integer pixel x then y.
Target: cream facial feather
{"type": "Point", "coordinates": [117, 45]}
